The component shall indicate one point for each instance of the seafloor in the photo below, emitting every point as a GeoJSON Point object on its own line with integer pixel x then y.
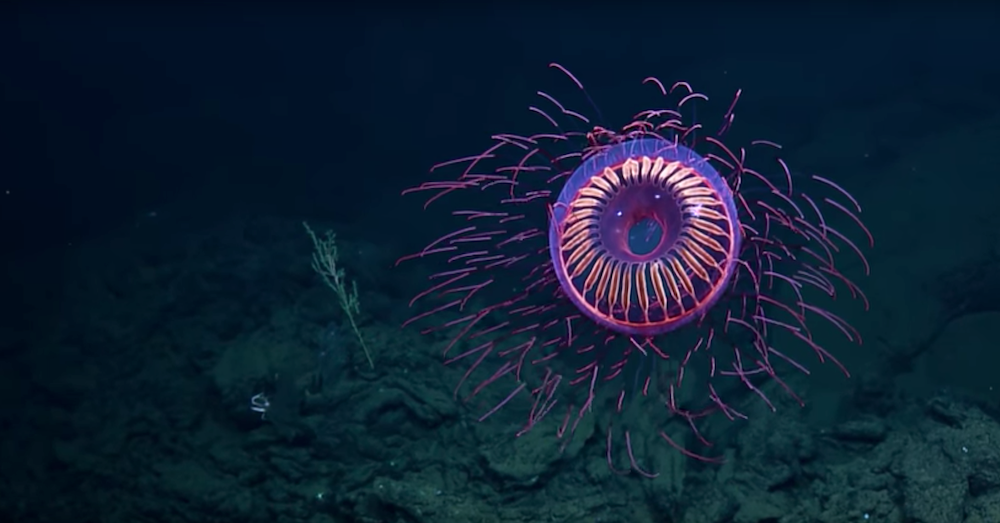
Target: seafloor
{"type": "Point", "coordinates": [135, 395]}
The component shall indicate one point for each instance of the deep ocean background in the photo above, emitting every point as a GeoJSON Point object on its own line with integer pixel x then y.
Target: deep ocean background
{"type": "Point", "coordinates": [157, 163]}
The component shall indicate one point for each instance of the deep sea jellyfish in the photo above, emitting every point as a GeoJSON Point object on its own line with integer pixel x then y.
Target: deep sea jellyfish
{"type": "Point", "coordinates": [655, 269]}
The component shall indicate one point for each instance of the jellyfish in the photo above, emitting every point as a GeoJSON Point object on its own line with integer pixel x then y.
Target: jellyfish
{"type": "Point", "coordinates": [659, 269]}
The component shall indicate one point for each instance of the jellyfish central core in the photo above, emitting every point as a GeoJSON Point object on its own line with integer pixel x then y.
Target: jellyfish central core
{"type": "Point", "coordinates": [635, 216]}
{"type": "Point", "coordinates": [645, 237]}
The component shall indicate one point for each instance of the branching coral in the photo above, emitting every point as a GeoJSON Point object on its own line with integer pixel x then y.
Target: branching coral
{"type": "Point", "coordinates": [324, 262]}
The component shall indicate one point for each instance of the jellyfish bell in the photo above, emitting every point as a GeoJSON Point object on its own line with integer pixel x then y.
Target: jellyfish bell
{"type": "Point", "coordinates": [655, 290]}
